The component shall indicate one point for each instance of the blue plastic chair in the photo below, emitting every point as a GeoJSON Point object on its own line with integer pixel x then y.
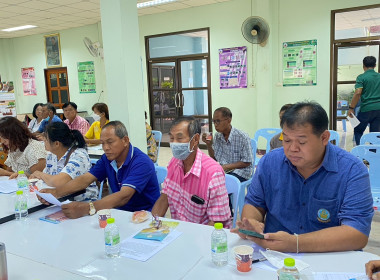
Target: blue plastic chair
{"type": "Point", "coordinates": [372, 138]}
{"type": "Point", "coordinates": [100, 190]}
{"type": "Point", "coordinates": [342, 106]}
{"type": "Point", "coordinates": [161, 173]}
{"type": "Point", "coordinates": [267, 134]}
{"type": "Point", "coordinates": [233, 187]}
{"type": "Point", "coordinates": [334, 136]}
{"type": "Point", "coordinates": [244, 185]}
{"type": "Point", "coordinates": [371, 153]}
{"type": "Point", "coordinates": [157, 135]}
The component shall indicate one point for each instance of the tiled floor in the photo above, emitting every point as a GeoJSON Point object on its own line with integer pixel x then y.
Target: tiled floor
{"type": "Point", "coordinates": [345, 143]}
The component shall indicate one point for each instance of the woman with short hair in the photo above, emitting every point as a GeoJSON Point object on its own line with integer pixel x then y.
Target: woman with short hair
{"type": "Point", "coordinates": [101, 117]}
{"type": "Point", "coordinates": [38, 117]}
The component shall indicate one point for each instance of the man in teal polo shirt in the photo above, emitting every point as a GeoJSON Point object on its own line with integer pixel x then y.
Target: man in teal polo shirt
{"type": "Point", "coordinates": [367, 90]}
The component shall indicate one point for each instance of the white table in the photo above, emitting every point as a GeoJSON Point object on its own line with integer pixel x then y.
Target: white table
{"type": "Point", "coordinates": [77, 247]}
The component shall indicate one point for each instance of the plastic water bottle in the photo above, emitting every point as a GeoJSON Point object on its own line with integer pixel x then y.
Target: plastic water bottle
{"type": "Point", "coordinates": [112, 239]}
{"type": "Point", "coordinates": [23, 183]}
{"type": "Point", "coordinates": [288, 271]}
{"type": "Point", "coordinates": [21, 206]}
{"type": "Point", "coordinates": [219, 248]}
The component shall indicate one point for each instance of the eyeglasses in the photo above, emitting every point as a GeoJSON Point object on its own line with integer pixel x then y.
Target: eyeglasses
{"type": "Point", "coordinates": [218, 121]}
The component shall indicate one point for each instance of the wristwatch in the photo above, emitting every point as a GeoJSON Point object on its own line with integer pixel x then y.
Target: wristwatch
{"type": "Point", "coordinates": [92, 209]}
{"type": "Point", "coordinates": [352, 108]}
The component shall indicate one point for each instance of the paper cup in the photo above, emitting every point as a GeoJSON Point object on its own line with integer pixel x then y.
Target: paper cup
{"type": "Point", "coordinates": [243, 257]}
{"type": "Point", "coordinates": [103, 215]}
{"type": "Point", "coordinates": [33, 185]}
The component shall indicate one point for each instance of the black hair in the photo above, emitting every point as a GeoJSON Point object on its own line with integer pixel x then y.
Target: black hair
{"type": "Point", "coordinates": [194, 127]}
{"type": "Point", "coordinates": [50, 107]}
{"type": "Point", "coordinates": [120, 130]}
{"type": "Point", "coordinates": [285, 107]}
{"type": "Point", "coordinates": [35, 108]}
{"type": "Point", "coordinates": [307, 112]}
{"type": "Point", "coordinates": [59, 131]}
{"type": "Point", "coordinates": [226, 113]}
{"type": "Point", "coordinates": [369, 61]}
{"type": "Point", "coordinates": [70, 103]}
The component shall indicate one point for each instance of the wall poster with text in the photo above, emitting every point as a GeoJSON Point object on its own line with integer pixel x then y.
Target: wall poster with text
{"type": "Point", "coordinates": [233, 68]}
{"type": "Point", "coordinates": [299, 63]}
{"type": "Point", "coordinates": [86, 77]}
{"type": "Point", "coordinates": [28, 81]}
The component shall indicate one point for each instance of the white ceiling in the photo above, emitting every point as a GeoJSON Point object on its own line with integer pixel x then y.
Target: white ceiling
{"type": "Point", "coordinates": [54, 15]}
{"type": "Point", "coordinates": [357, 19]}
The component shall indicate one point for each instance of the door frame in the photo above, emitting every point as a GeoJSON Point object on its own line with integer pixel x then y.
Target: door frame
{"type": "Point", "coordinates": [334, 45]}
{"type": "Point", "coordinates": [177, 60]}
{"type": "Point", "coordinates": [47, 86]}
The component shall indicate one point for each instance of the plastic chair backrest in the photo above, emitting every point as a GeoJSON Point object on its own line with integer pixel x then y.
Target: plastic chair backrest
{"type": "Point", "coordinates": [233, 187]}
{"type": "Point", "coordinates": [334, 136]}
{"type": "Point", "coordinates": [254, 148]}
{"type": "Point", "coordinates": [266, 133]}
{"type": "Point", "coordinates": [370, 153]}
{"type": "Point", "coordinates": [158, 137]}
{"type": "Point", "coordinates": [161, 173]}
{"type": "Point", "coordinates": [371, 138]}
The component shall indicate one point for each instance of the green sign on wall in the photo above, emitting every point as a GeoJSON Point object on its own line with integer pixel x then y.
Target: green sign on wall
{"type": "Point", "coordinates": [86, 77]}
{"type": "Point", "coordinates": [299, 63]}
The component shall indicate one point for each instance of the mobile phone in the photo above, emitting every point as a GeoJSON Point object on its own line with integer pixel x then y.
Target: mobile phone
{"type": "Point", "coordinates": [251, 233]}
{"type": "Point", "coordinates": [197, 199]}
{"type": "Point", "coordinates": [209, 136]}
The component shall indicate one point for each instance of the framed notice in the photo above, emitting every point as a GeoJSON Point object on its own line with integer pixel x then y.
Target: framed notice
{"type": "Point", "coordinates": [53, 50]}
{"type": "Point", "coordinates": [28, 81]}
{"type": "Point", "coordinates": [86, 77]}
{"type": "Point", "coordinates": [233, 68]}
{"type": "Point", "coordinates": [299, 63]}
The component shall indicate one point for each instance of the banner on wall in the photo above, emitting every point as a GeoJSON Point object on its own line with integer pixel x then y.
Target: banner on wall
{"type": "Point", "coordinates": [7, 99]}
{"type": "Point", "coordinates": [28, 81]}
{"type": "Point", "coordinates": [299, 63]}
{"type": "Point", "coordinates": [233, 68]}
{"type": "Point", "coordinates": [86, 77]}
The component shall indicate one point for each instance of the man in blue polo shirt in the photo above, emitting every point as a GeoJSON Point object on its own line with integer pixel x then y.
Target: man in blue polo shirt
{"type": "Point", "coordinates": [131, 176]}
{"type": "Point", "coordinates": [310, 195]}
{"type": "Point", "coordinates": [48, 112]}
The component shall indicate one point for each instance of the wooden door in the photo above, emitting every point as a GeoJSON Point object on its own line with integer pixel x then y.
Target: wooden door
{"type": "Point", "coordinates": [57, 86]}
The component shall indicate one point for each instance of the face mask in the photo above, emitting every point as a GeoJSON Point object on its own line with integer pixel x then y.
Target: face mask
{"type": "Point", "coordinates": [181, 151]}
{"type": "Point", "coordinates": [96, 117]}
{"type": "Point", "coordinates": [47, 119]}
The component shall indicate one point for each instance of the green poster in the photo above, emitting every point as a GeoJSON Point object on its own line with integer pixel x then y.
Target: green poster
{"type": "Point", "coordinates": [86, 77]}
{"type": "Point", "coordinates": [299, 63]}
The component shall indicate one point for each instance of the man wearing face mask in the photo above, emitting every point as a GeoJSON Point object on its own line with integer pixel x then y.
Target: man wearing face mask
{"type": "Point", "coordinates": [194, 188]}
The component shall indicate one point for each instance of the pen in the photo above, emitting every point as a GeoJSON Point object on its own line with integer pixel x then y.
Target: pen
{"type": "Point", "coordinates": [259, 260]}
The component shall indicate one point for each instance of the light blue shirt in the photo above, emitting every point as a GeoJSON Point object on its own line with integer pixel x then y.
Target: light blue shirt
{"type": "Point", "coordinates": [338, 193]}
{"type": "Point", "coordinates": [45, 122]}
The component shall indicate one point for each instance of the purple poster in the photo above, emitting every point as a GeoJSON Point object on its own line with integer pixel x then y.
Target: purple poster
{"type": "Point", "coordinates": [233, 67]}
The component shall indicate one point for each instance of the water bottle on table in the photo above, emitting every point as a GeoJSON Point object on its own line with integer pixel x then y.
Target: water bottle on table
{"type": "Point", "coordinates": [23, 183]}
{"type": "Point", "coordinates": [112, 239]}
{"type": "Point", "coordinates": [21, 206]}
{"type": "Point", "coordinates": [219, 248]}
{"type": "Point", "coordinates": [289, 270]}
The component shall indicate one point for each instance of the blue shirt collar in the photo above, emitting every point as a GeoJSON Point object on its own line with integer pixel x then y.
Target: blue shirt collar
{"type": "Point", "coordinates": [329, 163]}
{"type": "Point", "coordinates": [127, 160]}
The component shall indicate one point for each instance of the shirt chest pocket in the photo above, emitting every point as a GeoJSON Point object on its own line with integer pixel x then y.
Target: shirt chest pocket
{"type": "Point", "coordinates": [323, 213]}
{"type": "Point", "coordinates": [193, 207]}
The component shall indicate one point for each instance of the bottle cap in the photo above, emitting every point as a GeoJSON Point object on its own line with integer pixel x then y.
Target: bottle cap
{"type": "Point", "coordinates": [289, 262]}
{"type": "Point", "coordinates": [21, 172]}
{"type": "Point", "coordinates": [110, 220]}
{"type": "Point", "coordinates": [218, 225]}
{"type": "Point", "coordinates": [19, 192]}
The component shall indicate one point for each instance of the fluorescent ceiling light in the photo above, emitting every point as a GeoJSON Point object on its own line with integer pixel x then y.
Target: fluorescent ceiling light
{"type": "Point", "coordinates": [19, 28]}
{"type": "Point", "coordinates": [153, 3]}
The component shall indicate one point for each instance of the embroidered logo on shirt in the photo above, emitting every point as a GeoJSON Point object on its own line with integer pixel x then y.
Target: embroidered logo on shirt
{"type": "Point", "coordinates": [323, 215]}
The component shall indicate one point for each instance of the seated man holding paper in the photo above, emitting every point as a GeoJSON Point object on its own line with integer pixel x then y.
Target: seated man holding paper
{"type": "Point", "coordinates": [130, 172]}
{"type": "Point", "coordinates": [310, 195]}
{"type": "Point", "coordinates": [194, 188]}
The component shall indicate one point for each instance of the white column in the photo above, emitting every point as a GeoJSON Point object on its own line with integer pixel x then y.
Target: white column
{"type": "Point", "coordinates": [122, 61]}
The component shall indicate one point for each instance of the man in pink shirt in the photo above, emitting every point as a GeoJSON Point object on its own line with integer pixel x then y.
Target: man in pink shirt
{"type": "Point", "coordinates": [194, 188]}
{"type": "Point", "coordinates": [73, 120]}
